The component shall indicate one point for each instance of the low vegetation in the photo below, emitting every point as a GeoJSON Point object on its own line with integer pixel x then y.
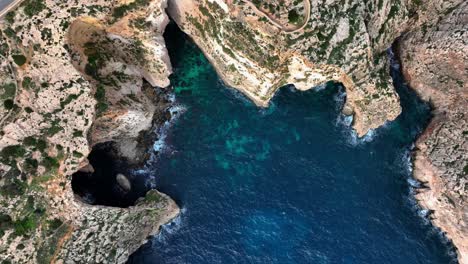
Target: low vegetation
{"type": "Point", "coordinates": [33, 7]}
{"type": "Point", "coordinates": [122, 10]}
{"type": "Point", "coordinates": [19, 59]}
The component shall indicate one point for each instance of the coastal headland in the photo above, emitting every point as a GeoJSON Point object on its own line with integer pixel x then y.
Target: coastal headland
{"type": "Point", "coordinates": [79, 74]}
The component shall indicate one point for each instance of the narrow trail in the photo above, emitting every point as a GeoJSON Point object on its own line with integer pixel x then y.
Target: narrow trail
{"type": "Point", "coordinates": [285, 29]}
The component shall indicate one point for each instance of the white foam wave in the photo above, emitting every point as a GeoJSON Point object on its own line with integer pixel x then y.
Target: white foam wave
{"type": "Point", "coordinates": [351, 135]}
{"type": "Point", "coordinates": [160, 144]}
{"type": "Point", "coordinates": [340, 98]}
{"type": "Point", "coordinates": [320, 87]}
{"type": "Point", "coordinates": [171, 227]}
{"type": "Point", "coordinates": [393, 61]}
{"type": "Point", "coordinates": [344, 120]}
{"type": "Point", "coordinates": [413, 187]}
{"type": "Point", "coordinates": [88, 198]}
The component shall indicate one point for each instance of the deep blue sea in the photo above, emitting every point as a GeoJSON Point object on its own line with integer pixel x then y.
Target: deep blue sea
{"type": "Point", "coordinates": [287, 184]}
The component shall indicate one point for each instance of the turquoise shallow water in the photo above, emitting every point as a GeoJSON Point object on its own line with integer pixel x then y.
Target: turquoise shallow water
{"type": "Point", "coordinates": [286, 184]}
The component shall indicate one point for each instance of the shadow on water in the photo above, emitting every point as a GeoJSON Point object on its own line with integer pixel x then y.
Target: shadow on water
{"type": "Point", "coordinates": [287, 184]}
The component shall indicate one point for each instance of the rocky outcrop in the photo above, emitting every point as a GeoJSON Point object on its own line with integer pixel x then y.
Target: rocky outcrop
{"type": "Point", "coordinates": [78, 73]}
{"type": "Point", "coordinates": [253, 50]}
{"type": "Point", "coordinates": [75, 74]}
{"type": "Point", "coordinates": [119, 55]}
{"type": "Point", "coordinates": [256, 47]}
{"type": "Point", "coordinates": [435, 63]}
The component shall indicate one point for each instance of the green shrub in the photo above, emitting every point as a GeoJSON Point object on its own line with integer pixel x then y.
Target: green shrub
{"type": "Point", "coordinates": [96, 60]}
{"type": "Point", "coordinates": [25, 225]}
{"type": "Point", "coordinates": [122, 10]}
{"type": "Point", "coordinates": [27, 82]}
{"type": "Point", "coordinates": [11, 152]}
{"type": "Point", "coordinates": [9, 90]}
{"type": "Point", "coordinates": [77, 154]}
{"type": "Point", "coordinates": [10, 17]}
{"type": "Point", "coordinates": [30, 165]}
{"type": "Point", "coordinates": [5, 221]}
{"type": "Point", "coordinates": [9, 32]}
{"type": "Point", "coordinates": [13, 187]}
{"type": "Point", "coordinates": [100, 96]}
{"type": "Point", "coordinates": [140, 23]}
{"type": "Point", "coordinates": [54, 129]}
{"type": "Point", "coordinates": [30, 141]}
{"type": "Point", "coordinates": [77, 133]}
{"type": "Point", "coordinates": [8, 104]}
{"type": "Point", "coordinates": [41, 145]}
{"type": "Point", "coordinates": [68, 100]}
{"type": "Point", "coordinates": [54, 224]}
{"type": "Point", "coordinates": [293, 16]}
{"type": "Point", "coordinates": [153, 196]}
{"type": "Point", "coordinates": [19, 59]}
{"type": "Point", "coordinates": [33, 7]}
{"type": "Point", "coordinates": [50, 163]}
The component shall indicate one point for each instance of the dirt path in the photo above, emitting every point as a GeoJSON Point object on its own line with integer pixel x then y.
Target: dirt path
{"type": "Point", "coordinates": [286, 29]}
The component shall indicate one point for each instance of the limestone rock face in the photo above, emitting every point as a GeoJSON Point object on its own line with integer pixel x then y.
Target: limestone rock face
{"type": "Point", "coordinates": [256, 50]}
{"type": "Point", "coordinates": [76, 73]}
{"type": "Point", "coordinates": [435, 63]}
{"type": "Point", "coordinates": [116, 55]}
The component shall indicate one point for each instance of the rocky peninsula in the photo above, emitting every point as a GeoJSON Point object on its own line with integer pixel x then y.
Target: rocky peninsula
{"type": "Point", "coordinates": [77, 74]}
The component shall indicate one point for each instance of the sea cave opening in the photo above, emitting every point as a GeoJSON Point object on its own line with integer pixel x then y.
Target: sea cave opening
{"type": "Point", "coordinates": [110, 179]}
{"type": "Point", "coordinates": [107, 180]}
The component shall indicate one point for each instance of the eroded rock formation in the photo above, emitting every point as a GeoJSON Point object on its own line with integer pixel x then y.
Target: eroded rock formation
{"type": "Point", "coordinates": [256, 48]}
{"type": "Point", "coordinates": [435, 63]}
{"type": "Point", "coordinates": [77, 73]}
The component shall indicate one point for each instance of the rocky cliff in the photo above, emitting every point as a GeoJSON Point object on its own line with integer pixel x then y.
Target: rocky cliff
{"type": "Point", "coordinates": [75, 74]}
{"type": "Point", "coordinates": [258, 46]}
{"type": "Point", "coordinates": [435, 63]}
{"type": "Point", "coordinates": [78, 73]}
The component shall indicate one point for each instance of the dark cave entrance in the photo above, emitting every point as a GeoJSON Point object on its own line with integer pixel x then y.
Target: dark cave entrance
{"type": "Point", "coordinates": [102, 185]}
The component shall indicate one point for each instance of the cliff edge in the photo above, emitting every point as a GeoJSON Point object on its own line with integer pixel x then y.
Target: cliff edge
{"type": "Point", "coordinates": [259, 46]}
{"type": "Point", "coordinates": [435, 63]}
{"type": "Point", "coordinates": [75, 74]}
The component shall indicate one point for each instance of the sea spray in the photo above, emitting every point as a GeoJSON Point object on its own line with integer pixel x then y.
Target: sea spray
{"type": "Point", "coordinates": [171, 227]}
{"type": "Point", "coordinates": [320, 87]}
{"type": "Point", "coordinates": [350, 199]}
{"type": "Point", "coordinates": [415, 186]}
{"type": "Point", "coordinates": [159, 145]}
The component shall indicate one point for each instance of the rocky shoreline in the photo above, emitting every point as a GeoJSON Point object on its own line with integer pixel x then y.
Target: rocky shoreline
{"type": "Point", "coordinates": [431, 44]}
{"type": "Point", "coordinates": [435, 64]}
{"type": "Point", "coordinates": [81, 73]}
{"type": "Point", "coordinates": [75, 75]}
